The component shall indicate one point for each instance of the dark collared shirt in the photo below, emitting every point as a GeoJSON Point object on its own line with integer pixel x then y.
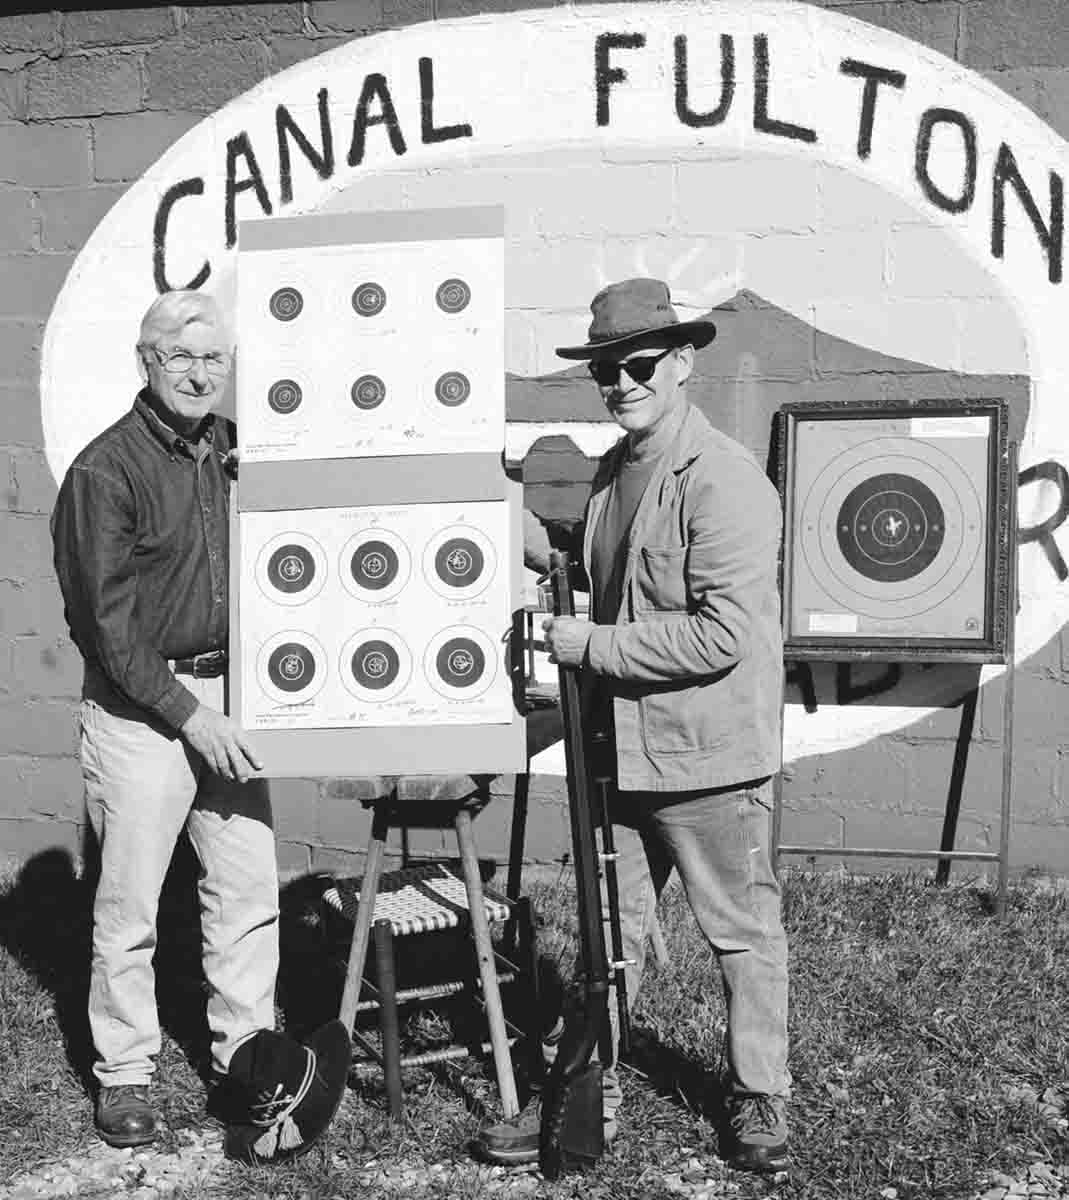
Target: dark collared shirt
{"type": "Point", "coordinates": [140, 539]}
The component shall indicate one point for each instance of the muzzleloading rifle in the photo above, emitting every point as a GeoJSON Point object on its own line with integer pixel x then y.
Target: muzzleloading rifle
{"type": "Point", "coordinates": [572, 1132]}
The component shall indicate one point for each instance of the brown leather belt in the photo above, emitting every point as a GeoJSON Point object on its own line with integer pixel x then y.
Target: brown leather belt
{"type": "Point", "coordinates": [202, 666]}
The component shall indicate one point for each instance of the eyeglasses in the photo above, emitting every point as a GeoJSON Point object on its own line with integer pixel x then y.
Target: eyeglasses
{"type": "Point", "coordinates": [607, 373]}
{"type": "Point", "coordinates": [182, 361]}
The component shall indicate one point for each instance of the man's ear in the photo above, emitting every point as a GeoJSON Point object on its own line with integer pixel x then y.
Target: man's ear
{"type": "Point", "coordinates": [142, 370]}
{"type": "Point", "coordinates": [685, 363]}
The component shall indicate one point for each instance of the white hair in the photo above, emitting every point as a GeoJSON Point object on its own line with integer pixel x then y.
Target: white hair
{"type": "Point", "coordinates": [171, 312]}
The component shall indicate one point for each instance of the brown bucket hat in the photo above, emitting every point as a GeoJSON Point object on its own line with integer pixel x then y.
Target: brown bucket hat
{"type": "Point", "coordinates": [626, 311]}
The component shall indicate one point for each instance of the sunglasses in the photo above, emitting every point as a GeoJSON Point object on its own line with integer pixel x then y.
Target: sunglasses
{"type": "Point", "coordinates": [607, 373]}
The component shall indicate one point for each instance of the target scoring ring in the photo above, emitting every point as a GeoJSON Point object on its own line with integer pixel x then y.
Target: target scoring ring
{"type": "Point", "coordinates": [368, 392]}
{"type": "Point", "coordinates": [291, 568]}
{"type": "Point", "coordinates": [452, 389]}
{"type": "Point", "coordinates": [461, 662]}
{"type": "Point", "coordinates": [453, 295]}
{"type": "Point", "coordinates": [459, 562]}
{"type": "Point", "coordinates": [292, 667]}
{"type": "Point", "coordinates": [284, 396]}
{"type": "Point", "coordinates": [375, 664]}
{"type": "Point", "coordinates": [374, 565]}
{"type": "Point", "coordinates": [369, 299]}
{"type": "Point", "coordinates": [890, 527]}
{"type": "Point", "coordinates": [286, 304]}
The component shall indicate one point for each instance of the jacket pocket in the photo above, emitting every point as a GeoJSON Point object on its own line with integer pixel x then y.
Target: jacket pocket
{"type": "Point", "coordinates": [681, 720]}
{"type": "Point", "coordinates": [660, 579]}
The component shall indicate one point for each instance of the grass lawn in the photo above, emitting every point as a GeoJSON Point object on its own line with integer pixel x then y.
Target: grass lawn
{"type": "Point", "coordinates": [929, 1050]}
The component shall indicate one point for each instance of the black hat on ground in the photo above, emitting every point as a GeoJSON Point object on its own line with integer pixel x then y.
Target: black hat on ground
{"type": "Point", "coordinates": [636, 308]}
{"type": "Point", "coordinates": [294, 1090]}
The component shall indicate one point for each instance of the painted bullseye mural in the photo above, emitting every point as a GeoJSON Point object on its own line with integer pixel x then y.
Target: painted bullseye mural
{"type": "Point", "coordinates": [887, 208]}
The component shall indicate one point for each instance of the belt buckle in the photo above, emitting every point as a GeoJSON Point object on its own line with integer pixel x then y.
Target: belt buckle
{"type": "Point", "coordinates": [208, 665]}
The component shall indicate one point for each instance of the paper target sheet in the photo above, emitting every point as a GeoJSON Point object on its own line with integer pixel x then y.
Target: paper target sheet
{"type": "Point", "coordinates": [371, 349]}
{"type": "Point", "coordinates": [375, 616]}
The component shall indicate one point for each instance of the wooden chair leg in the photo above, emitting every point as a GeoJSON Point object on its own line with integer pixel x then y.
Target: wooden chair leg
{"type": "Point", "coordinates": [354, 974]}
{"type": "Point", "coordinates": [484, 952]}
{"type": "Point", "coordinates": [389, 1023]}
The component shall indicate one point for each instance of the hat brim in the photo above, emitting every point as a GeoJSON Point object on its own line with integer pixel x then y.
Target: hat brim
{"type": "Point", "coordinates": [333, 1051]}
{"type": "Point", "coordinates": [697, 333]}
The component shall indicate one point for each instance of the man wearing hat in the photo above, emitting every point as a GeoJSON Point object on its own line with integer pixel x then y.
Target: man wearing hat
{"type": "Point", "coordinates": [682, 665]}
{"type": "Point", "coordinates": [140, 540]}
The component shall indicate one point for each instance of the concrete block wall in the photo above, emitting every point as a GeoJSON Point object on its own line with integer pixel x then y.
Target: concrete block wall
{"type": "Point", "coordinates": [90, 98]}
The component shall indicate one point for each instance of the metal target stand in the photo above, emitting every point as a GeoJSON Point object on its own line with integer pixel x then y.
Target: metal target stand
{"type": "Point", "coordinates": [1004, 542]}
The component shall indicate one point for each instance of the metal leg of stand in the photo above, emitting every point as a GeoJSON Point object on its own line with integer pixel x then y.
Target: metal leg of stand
{"type": "Point", "coordinates": [957, 781]}
{"type": "Point", "coordinates": [484, 951]}
{"type": "Point", "coordinates": [354, 974]}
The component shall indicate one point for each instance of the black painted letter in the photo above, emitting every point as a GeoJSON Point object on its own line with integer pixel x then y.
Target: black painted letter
{"type": "Point", "coordinates": [1050, 236]}
{"type": "Point", "coordinates": [716, 116]}
{"type": "Point", "coordinates": [240, 146]}
{"type": "Point", "coordinates": [761, 120]}
{"type": "Point", "coordinates": [873, 77]}
{"type": "Point", "coordinates": [374, 88]}
{"type": "Point", "coordinates": [428, 131]}
{"type": "Point", "coordinates": [1043, 533]}
{"type": "Point", "coordinates": [604, 75]}
{"type": "Point", "coordinates": [286, 127]}
{"type": "Point", "coordinates": [929, 120]}
{"type": "Point", "coordinates": [188, 187]}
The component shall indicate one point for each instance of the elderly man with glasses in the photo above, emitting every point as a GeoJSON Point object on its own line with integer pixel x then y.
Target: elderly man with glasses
{"type": "Point", "coordinates": [682, 669]}
{"type": "Point", "coordinates": [141, 552]}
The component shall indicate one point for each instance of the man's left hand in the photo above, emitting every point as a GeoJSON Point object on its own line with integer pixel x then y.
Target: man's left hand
{"type": "Point", "coordinates": [566, 639]}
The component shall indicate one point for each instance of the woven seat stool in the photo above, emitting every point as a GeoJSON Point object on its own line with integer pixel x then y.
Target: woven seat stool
{"type": "Point", "coordinates": [423, 901]}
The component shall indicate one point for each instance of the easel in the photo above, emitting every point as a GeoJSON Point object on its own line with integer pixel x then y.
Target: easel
{"type": "Point", "coordinates": [946, 854]}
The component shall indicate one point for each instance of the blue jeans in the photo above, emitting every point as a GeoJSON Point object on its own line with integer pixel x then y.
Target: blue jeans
{"type": "Point", "coordinates": [719, 842]}
{"type": "Point", "coordinates": [143, 786]}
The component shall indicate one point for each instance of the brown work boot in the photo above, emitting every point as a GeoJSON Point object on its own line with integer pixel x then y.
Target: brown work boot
{"type": "Point", "coordinates": [513, 1140]}
{"type": "Point", "coordinates": [756, 1134]}
{"type": "Point", "coordinates": [124, 1116]}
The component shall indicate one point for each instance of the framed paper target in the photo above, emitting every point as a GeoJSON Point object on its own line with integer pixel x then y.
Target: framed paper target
{"type": "Point", "coordinates": [896, 535]}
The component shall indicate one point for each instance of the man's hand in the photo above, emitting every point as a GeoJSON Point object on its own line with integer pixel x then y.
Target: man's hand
{"type": "Point", "coordinates": [221, 742]}
{"type": "Point", "coordinates": [566, 639]}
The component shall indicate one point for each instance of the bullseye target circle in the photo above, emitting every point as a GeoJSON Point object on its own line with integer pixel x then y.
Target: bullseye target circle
{"type": "Point", "coordinates": [452, 296]}
{"type": "Point", "coordinates": [375, 664]}
{"type": "Point", "coordinates": [291, 667]}
{"type": "Point", "coordinates": [286, 304]}
{"type": "Point", "coordinates": [291, 569]}
{"type": "Point", "coordinates": [452, 389]}
{"type": "Point", "coordinates": [459, 562]}
{"type": "Point", "coordinates": [368, 392]}
{"type": "Point", "coordinates": [891, 528]}
{"type": "Point", "coordinates": [369, 299]}
{"type": "Point", "coordinates": [374, 565]}
{"type": "Point", "coordinates": [461, 662]}
{"type": "Point", "coordinates": [284, 396]}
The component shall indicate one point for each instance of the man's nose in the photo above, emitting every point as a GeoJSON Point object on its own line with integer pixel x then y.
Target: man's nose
{"type": "Point", "coordinates": [198, 375]}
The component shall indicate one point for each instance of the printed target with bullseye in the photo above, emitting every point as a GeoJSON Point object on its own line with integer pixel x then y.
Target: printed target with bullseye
{"type": "Point", "coordinates": [291, 568]}
{"type": "Point", "coordinates": [374, 565]}
{"type": "Point", "coordinates": [291, 667]}
{"type": "Point", "coordinates": [375, 664]}
{"type": "Point", "coordinates": [461, 662]}
{"type": "Point", "coordinates": [890, 533]}
{"type": "Point", "coordinates": [459, 562]}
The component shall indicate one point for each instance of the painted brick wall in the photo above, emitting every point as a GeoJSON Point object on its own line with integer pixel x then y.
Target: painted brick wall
{"type": "Point", "coordinates": [88, 99]}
